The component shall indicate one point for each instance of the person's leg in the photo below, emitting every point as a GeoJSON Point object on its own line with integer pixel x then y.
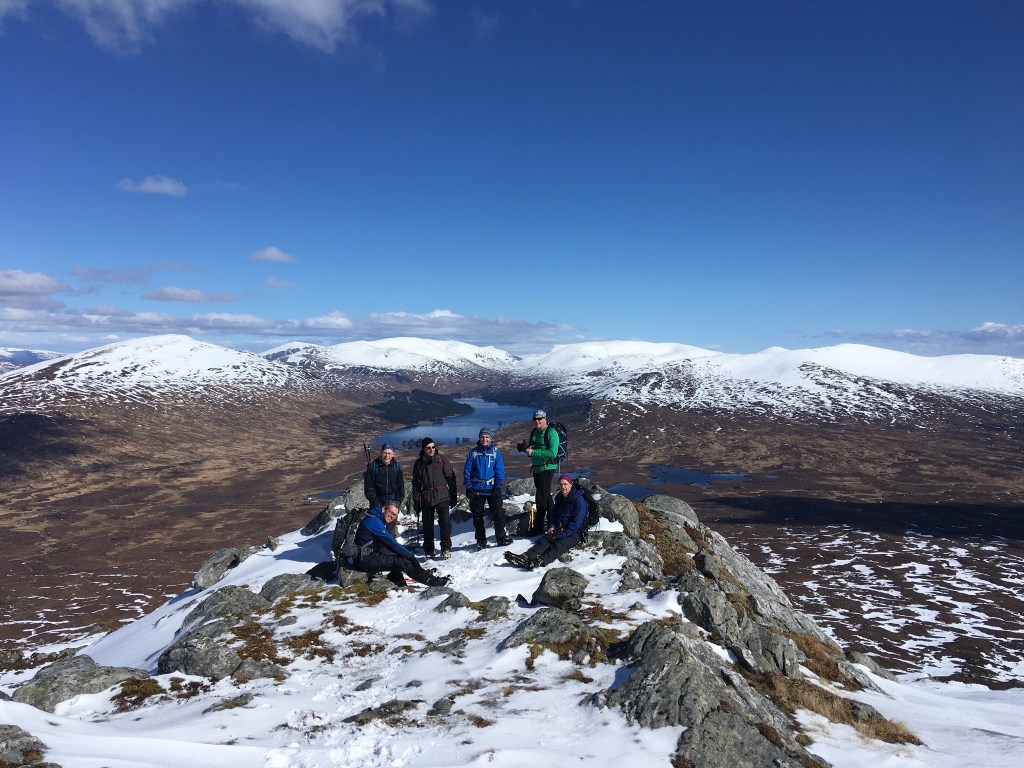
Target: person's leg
{"type": "Point", "coordinates": [556, 549]}
{"type": "Point", "coordinates": [427, 526]}
{"type": "Point", "coordinates": [476, 506]}
{"type": "Point", "coordinates": [498, 517]}
{"type": "Point", "coordinates": [545, 502]}
{"type": "Point", "coordinates": [444, 521]}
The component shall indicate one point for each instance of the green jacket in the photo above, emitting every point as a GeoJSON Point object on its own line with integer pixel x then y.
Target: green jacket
{"type": "Point", "coordinates": [545, 446]}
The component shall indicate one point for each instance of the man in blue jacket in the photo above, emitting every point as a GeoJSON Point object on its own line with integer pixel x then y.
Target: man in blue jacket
{"type": "Point", "coordinates": [484, 477]}
{"type": "Point", "coordinates": [380, 551]}
{"type": "Point", "coordinates": [565, 529]}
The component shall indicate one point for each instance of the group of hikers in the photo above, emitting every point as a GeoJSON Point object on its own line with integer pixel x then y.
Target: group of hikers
{"type": "Point", "coordinates": [558, 522]}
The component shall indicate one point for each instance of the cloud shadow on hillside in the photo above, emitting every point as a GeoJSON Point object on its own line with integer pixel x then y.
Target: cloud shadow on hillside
{"type": "Point", "coordinates": [952, 521]}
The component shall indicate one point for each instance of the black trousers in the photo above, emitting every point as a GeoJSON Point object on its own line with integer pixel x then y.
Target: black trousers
{"type": "Point", "coordinates": [545, 502]}
{"type": "Point", "coordinates": [547, 551]}
{"type": "Point", "coordinates": [444, 520]}
{"type": "Point", "coordinates": [476, 506]}
{"type": "Point", "coordinates": [386, 562]}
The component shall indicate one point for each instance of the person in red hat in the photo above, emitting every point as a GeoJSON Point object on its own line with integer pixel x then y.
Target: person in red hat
{"type": "Point", "coordinates": [565, 528]}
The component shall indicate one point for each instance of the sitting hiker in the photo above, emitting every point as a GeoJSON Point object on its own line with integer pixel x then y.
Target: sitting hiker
{"type": "Point", "coordinates": [564, 532]}
{"type": "Point", "coordinates": [379, 551]}
{"type": "Point", "coordinates": [483, 476]}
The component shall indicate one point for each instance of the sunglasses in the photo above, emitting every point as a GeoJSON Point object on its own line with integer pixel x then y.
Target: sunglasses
{"type": "Point", "coordinates": [430, 448]}
{"type": "Point", "coordinates": [539, 418]}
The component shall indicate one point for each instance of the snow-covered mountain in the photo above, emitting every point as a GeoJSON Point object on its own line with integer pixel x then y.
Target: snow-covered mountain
{"type": "Point", "coordinates": [842, 381]}
{"type": "Point", "coordinates": [169, 368]}
{"type": "Point", "coordinates": [12, 359]}
{"type": "Point", "coordinates": [397, 354]}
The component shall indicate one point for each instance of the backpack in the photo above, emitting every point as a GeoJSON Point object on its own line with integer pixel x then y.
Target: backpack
{"type": "Point", "coordinates": [563, 441]}
{"type": "Point", "coordinates": [593, 512]}
{"type": "Point", "coordinates": [343, 543]}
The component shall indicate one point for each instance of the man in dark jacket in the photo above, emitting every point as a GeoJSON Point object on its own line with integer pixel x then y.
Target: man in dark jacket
{"type": "Point", "coordinates": [565, 531]}
{"type": "Point", "coordinates": [434, 493]}
{"type": "Point", "coordinates": [483, 477]}
{"type": "Point", "coordinates": [382, 480]}
{"type": "Point", "coordinates": [379, 551]}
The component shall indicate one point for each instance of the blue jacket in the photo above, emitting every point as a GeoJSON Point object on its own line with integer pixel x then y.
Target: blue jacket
{"type": "Point", "coordinates": [569, 517]}
{"type": "Point", "coordinates": [484, 471]}
{"type": "Point", "coordinates": [372, 530]}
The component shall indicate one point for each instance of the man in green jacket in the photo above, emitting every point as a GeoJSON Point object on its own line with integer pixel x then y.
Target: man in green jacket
{"type": "Point", "coordinates": [542, 447]}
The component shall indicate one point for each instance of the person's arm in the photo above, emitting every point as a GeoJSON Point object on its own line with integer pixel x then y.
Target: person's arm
{"type": "Point", "coordinates": [380, 532]}
{"type": "Point", "coordinates": [416, 484]}
{"type": "Point", "coordinates": [399, 483]}
{"type": "Point", "coordinates": [467, 473]}
{"type": "Point", "coordinates": [575, 516]}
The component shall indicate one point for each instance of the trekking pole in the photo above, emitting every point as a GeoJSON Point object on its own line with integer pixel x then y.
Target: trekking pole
{"type": "Point", "coordinates": [366, 453]}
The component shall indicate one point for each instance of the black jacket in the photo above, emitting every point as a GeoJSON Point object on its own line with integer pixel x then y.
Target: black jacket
{"type": "Point", "coordinates": [383, 482]}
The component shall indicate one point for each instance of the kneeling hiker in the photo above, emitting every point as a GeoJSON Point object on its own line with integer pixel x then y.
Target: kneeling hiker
{"type": "Point", "coordinates": [379, 551]}
{"type": "Point", "coordinates": [564, 532]}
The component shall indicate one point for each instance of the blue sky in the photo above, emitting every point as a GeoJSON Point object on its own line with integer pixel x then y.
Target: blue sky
{"type": "Point", "coordinates": [732, 175]}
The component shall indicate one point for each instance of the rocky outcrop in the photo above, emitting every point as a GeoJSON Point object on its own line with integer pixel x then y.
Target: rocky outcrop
{"type": "Point", "coordinates": [71, 677]}
{"type": "Point", "coordinates": [678, 680]}
{"type": "Point", "coordinates": [563, 633]}
{"type": "Point", "coordinates": [561, 588]}
{"type": "Point", "coordinates": [20, 749]}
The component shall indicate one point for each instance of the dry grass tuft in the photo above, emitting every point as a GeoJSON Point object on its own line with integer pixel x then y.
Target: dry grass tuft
{"type": "Point", "coordinates": [821, 660]}
{"type": "Point", "coordinates": [677, 558]}
{"type": "Point", "coordinates": [311, 645]}
{"type": "Point", "coordinates": [791, 695]}
{"type": "Point", "coordinates": [479, 722]}
{"type": "Point", "coordinates": [134, 692]}
{"type": "Point", "coordinates": [257, 643]}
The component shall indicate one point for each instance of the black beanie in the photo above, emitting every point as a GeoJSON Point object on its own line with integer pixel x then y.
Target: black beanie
{"type": "Point", "coordinates": [425, 442]}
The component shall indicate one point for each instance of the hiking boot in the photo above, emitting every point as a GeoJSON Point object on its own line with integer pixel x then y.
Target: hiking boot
{"type": "Point", "coordinates": [431, 554]}
{"type": "Point", "coordinates": [520, 561]}
{"type": "Point", "coordinates": [446, 555]}
{"type": "Point", "coordinates": [438, 581]}
{"type": "Point", "coordinates": [504, 541]}
{"type": "Point", "coordinates": [397, 578]}
{"type": "Point", "coordinates": [482, 545]}
{"type": "Point", "coordinates": [533, 563]}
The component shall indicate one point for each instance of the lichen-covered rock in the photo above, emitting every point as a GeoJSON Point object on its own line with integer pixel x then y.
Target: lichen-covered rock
{"type": "Point", "coordinates": [559, 631]}
{"type": "Point", "coordinates": [219, 563]}
{"type": "Point", "coordinates": [454, 601]}
{"type": "Point", "coordinates": [561, 588]}
{"type": "Point", "coordinates": [325, 518]}
{"type": "Point", "coordinates": [619, 509]}
{"type": "Point", "coordinates": [203, 651]}
{"type": "Point", "coordinates": [678, 680]}
{"type": "Point", "coordinates": [289, 583]}
{"type": "Point", "coordinates": [856, 657]}
{"type": "Point", "coordinates": [19, 747]}
{"type": "Point", "coordinates": [225, 602]}
{"type": "Point", "coordinates": [642, 559]}
{"type": "Point", "coordinates": [494, 607]}
{"type": "Point", "coordinates": [70, 677]}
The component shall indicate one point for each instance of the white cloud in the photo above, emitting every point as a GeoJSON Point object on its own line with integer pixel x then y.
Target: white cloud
{"type": "Point", "coordinates": [986, 339]}
{"type": "Point", "coordinates": [270, 253]}
{"type": "Point", "coordinates": [273, 282]}
{"type": "Point", "coordinates": [29, 290]}
{"type": "Point", "coordinates": [991, 331]}
{"type": "Point", "coordinates": [173, 293]}
{"type": "Point", "coordinates": [129, 276]}
{"type": "Point", "coordinates": [332, 322]}
{"type": "Point", "coordinates": [154, 185]}
{"type": "Point", "coordinates": [123, 26]}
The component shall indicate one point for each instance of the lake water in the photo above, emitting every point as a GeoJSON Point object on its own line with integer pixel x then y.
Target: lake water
{"type": "Point", "coordinates": [457, 430]}
{"type": "Point", "coordinates": [661, 474]}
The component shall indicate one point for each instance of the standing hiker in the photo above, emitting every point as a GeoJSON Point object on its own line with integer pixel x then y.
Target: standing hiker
{"type": "Point", "coordinates": [382, 480]}
{"type": "Point", "coordinates": [542, 447]}
{"type": "Point", "coordinates": [483, 478]}
{"type": "Point", "coordinates": [565, 530]}
{"type": "Point", "coordinates": [380, 552]}
{"type": "Point", "coordinates": [434, 493]}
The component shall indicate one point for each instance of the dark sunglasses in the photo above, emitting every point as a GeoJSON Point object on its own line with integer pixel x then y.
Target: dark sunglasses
{"type": "Point", "coordinates": [539, 418]}
{"type": "Point", "coordinates": [430, 447]}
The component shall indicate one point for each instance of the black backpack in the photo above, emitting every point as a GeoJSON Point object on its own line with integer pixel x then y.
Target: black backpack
{"type": "Point", "coordinates": [343, 543]}
{"type": "Point", "coordinates": [563, 441]}
{"type": "Point", "coordinates": [593, 512]}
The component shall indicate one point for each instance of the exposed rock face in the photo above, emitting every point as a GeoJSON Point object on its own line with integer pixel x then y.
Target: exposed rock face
{"type": "Point", "coordinates": [70, 677]}
{"type": "Point", "coordinates": [561, 588]}
{"type": "Point", "coordinates": [563, 633]}
{"type": "Point", "coordinates": [19, 748]}
{"type": "Point", "coordinates": [677, 680]}
{"type": "Point", "coordinates": [220, 562]}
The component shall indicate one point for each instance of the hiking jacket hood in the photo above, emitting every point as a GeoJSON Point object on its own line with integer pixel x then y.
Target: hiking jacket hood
{"type": "Point", "coordinates": [484, 471]}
